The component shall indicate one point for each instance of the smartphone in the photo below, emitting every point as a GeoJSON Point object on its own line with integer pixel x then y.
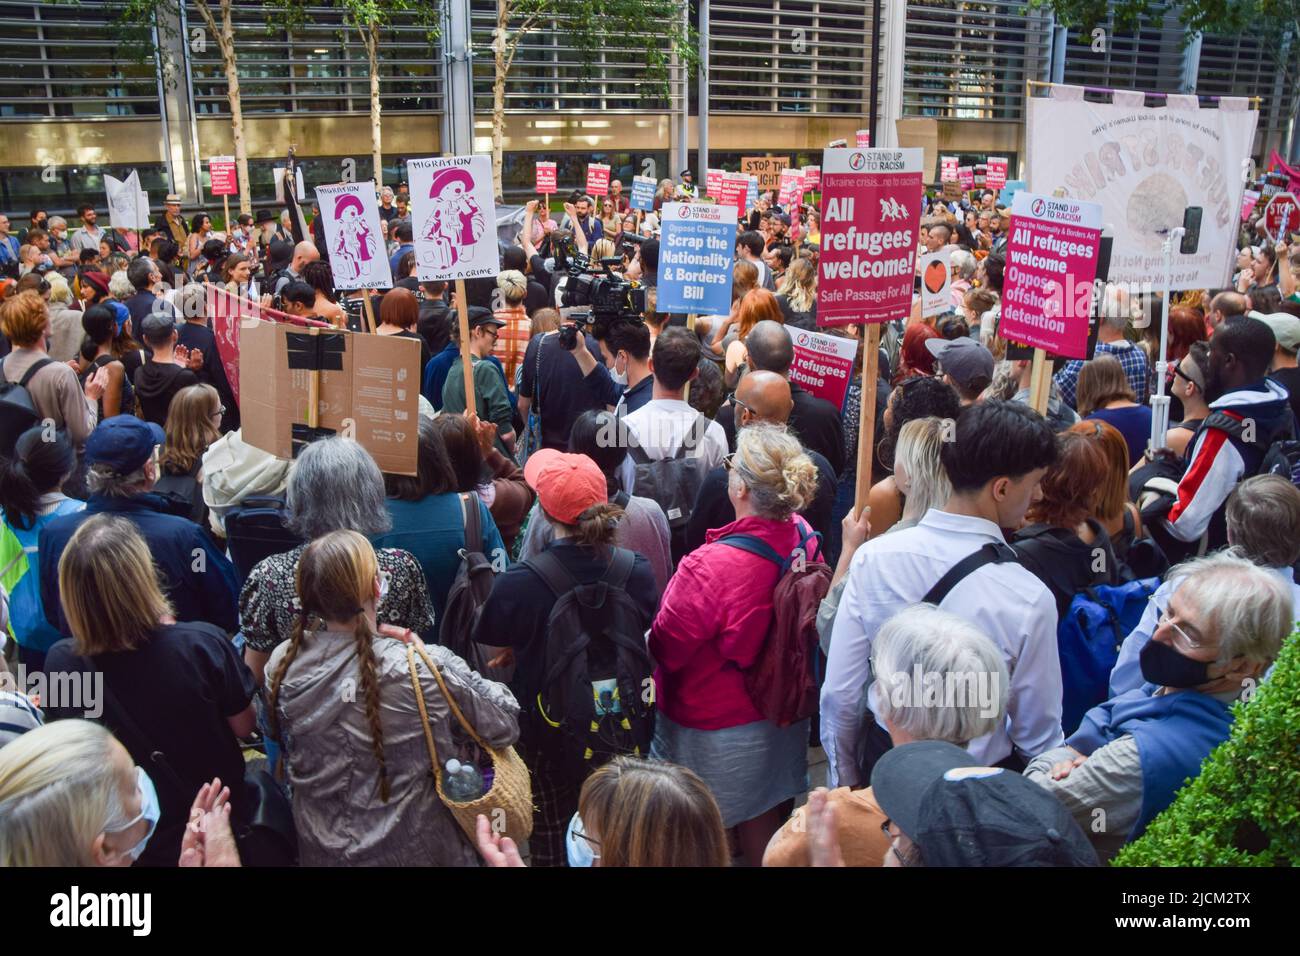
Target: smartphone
{"type": "Point", "coordinates": [1192, 236]}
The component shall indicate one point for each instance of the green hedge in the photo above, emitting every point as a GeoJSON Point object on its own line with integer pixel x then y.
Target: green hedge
{"type": "Point", "coordinates": [1244, 808]}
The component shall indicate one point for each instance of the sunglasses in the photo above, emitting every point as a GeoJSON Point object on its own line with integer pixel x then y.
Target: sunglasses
{"type": "Point", "coordinates": [1181, 374]}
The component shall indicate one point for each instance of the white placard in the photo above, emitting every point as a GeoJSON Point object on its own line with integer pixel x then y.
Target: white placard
{"type": "Point", "coordinates": [454, 217]}
{"type": "Point", "coordinates": [358, 257]}
{"type": "Point", "coordinates": [128, 204]}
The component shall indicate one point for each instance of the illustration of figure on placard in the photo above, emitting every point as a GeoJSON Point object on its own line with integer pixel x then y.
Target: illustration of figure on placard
{"type": "Point", "coordinates": [355, 246]}
{"type": "Point", "coordinates": [456, 223]}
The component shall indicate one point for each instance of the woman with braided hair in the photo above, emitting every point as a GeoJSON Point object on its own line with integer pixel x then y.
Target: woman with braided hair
{"type": "Point", "coordinates": [340, 701]}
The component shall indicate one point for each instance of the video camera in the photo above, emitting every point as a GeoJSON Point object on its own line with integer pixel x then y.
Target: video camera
{"type": "Point", "coordinates": [609, 296]}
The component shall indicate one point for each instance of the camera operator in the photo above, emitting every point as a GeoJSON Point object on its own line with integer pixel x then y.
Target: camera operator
{"type": "Point", "coordinates": [549, 272]}
{"type": "Point", "coordinates": [625, 347]}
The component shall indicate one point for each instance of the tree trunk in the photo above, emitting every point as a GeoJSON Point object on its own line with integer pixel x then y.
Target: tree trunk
{"type": "Point", "coordinates": [225, 35]}
{"type": "Point", "coordinates": [499, 95]}
{"type": "Point", "coordinates": [371, 33]}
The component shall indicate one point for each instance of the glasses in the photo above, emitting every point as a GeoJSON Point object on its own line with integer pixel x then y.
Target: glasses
{"type": "Point", "coordinates": [219, 413]}
{"type": "Point", "coordinates": [911, 858]}
{"type": "Point", "coordinates": [1167, 621]}
{"type": "Point", "coordinates": [591, 841]}
{"type": "Point", "coordinates": [1181, 374]}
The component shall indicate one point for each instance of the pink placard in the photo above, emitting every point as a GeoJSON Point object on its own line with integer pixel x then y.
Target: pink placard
{"type": "Point", "coordinates": [713, 182]}
{"type": "Point", "coordinates": [225, 181]}
{"type": "Point", "coordinates": [812, 178]}
{"type": "Point", "coordinates": [1051, 264]}
{"type": "Point", "coordinates": [823, 364]}
{"type": "Point", "coordinates": [597, 179]}
{"type": "Point", "coordinates": [966, 177]}
{"type": "Point", "coordinates": [732, 191]}
{"type": "Point", "coordinates": [546, 178]}
{"type": "Point", "coordinates": [871, 206]}
{"type": "Point", "coordinates": [862, 138]}
{"type": "Point", "coordinates": [948, 169]}
{"type": "Point", "coordinates": [791, 191]}
{"type": "Point", "coordinates": [995, 174]}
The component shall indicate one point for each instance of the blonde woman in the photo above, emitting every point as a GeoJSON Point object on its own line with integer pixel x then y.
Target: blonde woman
{"type": "Point", "coordinates": [508, 306]}
{"type": "Point", "coordinates": [798, 295]}
{"type": "Point", "coordinates": [357, 761]}
{"type": "Point", "coordinates": [175, 693]}
{"type": "Point", "coordinates": [707, 720]}
{"type": "Point", "coordinates": [918, 483]}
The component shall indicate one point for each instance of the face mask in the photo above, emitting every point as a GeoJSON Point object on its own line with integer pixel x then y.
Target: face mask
{"type": "Point", "coordinates": [578, 850]}
{"type": "Point", "coordinates": [149, 810]}
{"type": "Point", "coordinates": [1163, 665]}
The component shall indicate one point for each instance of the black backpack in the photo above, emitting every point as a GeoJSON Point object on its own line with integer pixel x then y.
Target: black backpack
{"type": "Point", "coordinates": [468, 593]}
{"type": "Point", "coordinates": [597, 695]}
{"type": "Point", "coordinates": [674, 483]}
{"type": "Point", "coordinates": [184, 495]}
{"type": "Point", "coordinates": [255, 529]}
{"type": "Point", "coordinates": [1280, 452]}
{"type": "Point", "coordinates": [17, 407]}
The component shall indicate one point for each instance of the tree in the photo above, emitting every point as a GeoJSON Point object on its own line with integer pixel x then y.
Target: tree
{"type": "Point", "coordinates": [1275, 22]}
{"type": "Point", "coordinates": [655, 29]}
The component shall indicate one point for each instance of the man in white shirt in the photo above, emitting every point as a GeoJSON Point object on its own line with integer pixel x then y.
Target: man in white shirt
{"type": "Point", "coordinates": [749, 248]}
{"type": "Point", "coordinates": [667, 423]}
{"type": "Point", "coordinates": [995, 462]}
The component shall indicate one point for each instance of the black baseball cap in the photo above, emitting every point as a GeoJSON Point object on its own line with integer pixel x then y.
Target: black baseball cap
{"type": "Point", "coordinates": [479, 316]}
{"type": "Point", "coordinates": [968, 362]}
{"type": "Point", "coordinates": [957, 814]}
{"type": "Point", "coordinates": [123, 442]}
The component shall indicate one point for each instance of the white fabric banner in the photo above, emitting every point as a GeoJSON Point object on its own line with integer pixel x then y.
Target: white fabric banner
{"type": "Point", "coordinates": [1144, 166]}
{"type": "Point", "coordinates": [128, 204]}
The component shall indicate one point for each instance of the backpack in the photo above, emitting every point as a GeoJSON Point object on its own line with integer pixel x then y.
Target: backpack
{"type": "Point", "coordinates": [183, 495]}
{"type": "Point", "coordinates": [255, 529]}
{"type": "Point", "coordinates": [468, 593]}
{"type": "Point", "coordinates": [782, 682]}
{"type": "Point", "coordinates": [1088, 639]}
{"type": "Point", "coordinates": [596, 700]}
{"type": "Point", "coordinates": [17, 407]}
{"type": "Point", "coordinates": [673, 482]}
{"type": "Point", "coordinates": [1280, 454]}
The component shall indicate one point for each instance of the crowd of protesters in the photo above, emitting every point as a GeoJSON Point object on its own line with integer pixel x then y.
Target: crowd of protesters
{"type": "Point", "coordinates": [594, 571]}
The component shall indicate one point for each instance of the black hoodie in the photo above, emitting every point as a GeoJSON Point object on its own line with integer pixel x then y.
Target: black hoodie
{"type": "Point", "coordinates": [156, 383]}
{"type": "Point", "coordinates": [1061, 560]}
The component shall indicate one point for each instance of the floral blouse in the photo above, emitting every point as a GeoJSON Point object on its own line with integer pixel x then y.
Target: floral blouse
{"type": "Point", "coordinates": [268, 604]}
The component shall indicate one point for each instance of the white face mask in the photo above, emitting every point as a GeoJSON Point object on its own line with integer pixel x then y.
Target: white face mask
{"type": "Point", "coordinates": [578, 850]}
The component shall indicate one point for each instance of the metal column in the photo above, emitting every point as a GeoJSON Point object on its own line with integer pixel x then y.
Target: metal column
{"type": "Point", "coordinates": [457, 80]}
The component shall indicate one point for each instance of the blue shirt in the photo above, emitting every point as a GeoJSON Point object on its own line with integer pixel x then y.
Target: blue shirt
{"type": "Point", "coordinates": [198, 579]}
{"type": "Point", "coordinates": [433, 531]}
{"type": "Point", "coordinates": [8, 249]}
{"type": "Point", "coordinates": [21, 579]}
{"type": "Point", "coordinates": [396, 257]}
{"type": "Point", "coordinates": [1133, 422]}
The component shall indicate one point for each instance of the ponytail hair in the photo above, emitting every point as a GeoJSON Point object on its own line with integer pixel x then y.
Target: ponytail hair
{"type": "Point", "coordinates": [595, 527]}
{"type": "Point", "coordinates": [39, 465]}
{"type": "Point", "coordinates": [771, 463]}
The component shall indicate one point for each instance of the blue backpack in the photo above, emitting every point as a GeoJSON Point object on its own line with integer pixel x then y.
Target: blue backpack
{"type": "Point", "coordinates": [1088, 638]}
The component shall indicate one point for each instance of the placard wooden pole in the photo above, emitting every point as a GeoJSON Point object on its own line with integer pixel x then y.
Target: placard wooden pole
{"type": "Point", "coordinates": [867, 417]}
{"type": "Point", "coordinates": [462, 311]}
{"type": "Point", "coordinates": [369, 311]}
{"type": "Point", "coordinates": [313, 389]}
{"type": "Point", "coordinates": [690, 324]}
{"type": "Point", "coordinates": [225, 205]}
{"type": "Point", "coordinates": [1040, 382]}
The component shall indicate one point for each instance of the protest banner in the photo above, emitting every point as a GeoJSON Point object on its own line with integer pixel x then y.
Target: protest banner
{"type": "Point", "coordinates": [353, 237]}
{"type": "Point", "coordinates": [812, 178]}
{"type": "Point", "coordinates": [643, 194]}
{"type": "Point", "coordinates": [862, 139]}
{"type": "Point", "coordinates": [1282, 216]}
{"type": "Point", "coordinates": [871, 207]}
{"type": "Point", "coordinates": [128, 204]}
{"type": "Point", "coordinates": [966, 177]}
{"type": "Point", "coordinates": [732, 192]}
{"type": "Point", "coordinates": [751, 193]}
{"type": "Point", "coordinates": [1144, 166]}
{"type": "Point", "coordinates": [766, 168]}
{"type": "Point", "coordinates": [1008, 193]}
{"type": "Point", "coordinates": [546, 181]}
{"type": "Point", "coordinates": [223, 181]}
{"type": "Point", "coordinates": [936, 283]}
{"type": "Point", "coordinates": [306, 384]}
{"type": "Point", "coordinates": [597, 179]}
{"type": "Point", "coordinates": [995, 172]}
{"type": "Point", "coordinates": [952, 191]}
{"type": "Point", "coordinates": [823, 364]}
{"type": "Point", "coordinates": [695, 258]}
{"type": "Point", "coordinates": [228, 312]}
{"type": "Point", "coordinates": [1290, 174]}
{"type": "Point", "coordinates": [791, 187]}
{"type": "Point", "coordinates": [1047, 289]}
{"type": "Point", "coordinates": [1249, 198]}
{"type": "Point", "coordinates": [278, 175]}
{"type": "Point", "coordinates": [455, 216]}
{"type": "Point", "coordinates": [947, 169]}
{"type": "Point", "coordinates": [712, 182]}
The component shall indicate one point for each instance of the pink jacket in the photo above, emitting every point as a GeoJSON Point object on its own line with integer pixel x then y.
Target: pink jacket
{"type": "Point", "coordinates": [712, 622]}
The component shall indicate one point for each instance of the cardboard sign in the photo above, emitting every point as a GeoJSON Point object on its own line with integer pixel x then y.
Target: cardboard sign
{"type": "Point", "coordinates": [791, 187]}
{"type": "Point", "coordinates": [643, 193]}
{"type": "Point", "coordinates": [862, 139]}
{"type": "Point", "coordinates": [454, 218]}
{"type": "Point", "coordinates": [546, 178]}
{"type": "Point", "coordinates": [966, 176]}
{"type": "Point", "coordinates": [358, 256]}
{"type": "Point", "coordinates": [228, 313]}
{"type": "Point", "coordinates": [995, 172]}
{"type": "Point", "coordinates": [871, 207]}
{"type": "Point", "coordinates": [695, 258]}
{"type": "Point", "coordinates": [712, 182]}
{"type": "Point", "coordinates": [597, 179]}
{"type": "Point", "coordinates": [947, 169]}
{"type": "Point", "coordinates": [812, 178]}
{"type": "Point", "coordinates": [128, 204]}
{"type": "Point", "coordinates": [1051, 264]}
{"type": "Point", "coordinates": [1282, 215]}
{"type": "Point", "coordinates": [766, 168]}
{"type": "Point", "coordinates": [369, 390]}
{"type": "Point", "coordinates": [952, 192]}
{"type": "Point", "coordinates": [223, 176]}
{"type": "Point", "coordinates": [1249, 198]}
{"type": "Point", "coordinates": [732, 192]}
{"type": "Point", "coordinates": [936, 283]}
{"type": "Point", "coordinates": [823, 364]}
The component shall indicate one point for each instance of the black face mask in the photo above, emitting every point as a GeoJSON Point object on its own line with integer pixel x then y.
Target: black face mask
{"type": "Point", "coordinates": [1163, 665]}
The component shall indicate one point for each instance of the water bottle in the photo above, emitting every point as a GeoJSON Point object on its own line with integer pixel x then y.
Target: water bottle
{"type": "Point", "coordinates": [462, 782]}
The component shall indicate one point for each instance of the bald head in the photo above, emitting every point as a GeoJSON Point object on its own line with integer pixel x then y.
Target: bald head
{"type": "Point", "coordinates": [763, 397]}
{"type": "Point", "coordinates": [770, 347]}
{"type": "Point", "coordinates": [304, 253]}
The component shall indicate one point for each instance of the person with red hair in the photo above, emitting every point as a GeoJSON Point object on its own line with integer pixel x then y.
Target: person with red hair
{"type": "Point", "coordinates": [913, 357]}
{"type": "Point", "coordinates": [756, 306]}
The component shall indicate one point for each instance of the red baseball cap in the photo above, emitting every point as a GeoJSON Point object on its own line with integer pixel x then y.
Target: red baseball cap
{"type": "Point", "coordinates": [566, 485]}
